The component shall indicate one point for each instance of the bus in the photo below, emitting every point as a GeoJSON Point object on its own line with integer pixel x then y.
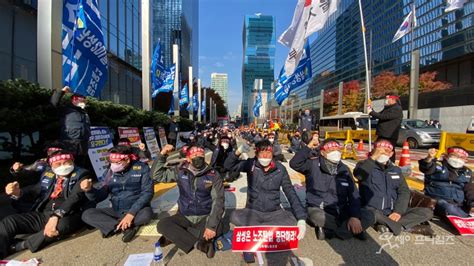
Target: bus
{"type": "Point", "coordinates": [347, 121]}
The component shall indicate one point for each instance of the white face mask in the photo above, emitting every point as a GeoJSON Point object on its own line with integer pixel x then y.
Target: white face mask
{"type": "Point", "coordinates": [334, 156]}
{"type": "Point", "coordinates": [81, 105]}
{"type": "Point", "coordinates": [225, 146]}
{"type": "Point", "coordinates": [456, 162]}
{"type": "Point", "coordinates": [271, 140]}
{"type": "Point", "coordinates": [264, 161]}
{"type": "Point", "coordinates": [383, 159]}
{"type": "Point", "coordinates": [306, 112]}
{"type": "Point", "coordinates": [63, 170]}
{"type": "Point", "coordinates": [386, 102]}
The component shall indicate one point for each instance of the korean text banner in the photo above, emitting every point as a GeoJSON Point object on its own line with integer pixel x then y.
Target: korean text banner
{"type": "Point", "coordinates": [264, 238]}
{"type": "Point", "coordinates": [100, 142]}
{"type": "Point", "coordinates": [84, 52]}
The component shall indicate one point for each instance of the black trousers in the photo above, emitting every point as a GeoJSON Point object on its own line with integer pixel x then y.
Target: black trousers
{"type": "Point", "coordinates": [412, 217]}
{"type": "Point", "coordinates": [248, 217]}
{"type": "Point", "coordinates": [106, 219]}
{"type": "Point", "coordinates": [182, 232]}
{"type": "Point", "coordinates": [326, 220]}
{"type": "Point", "coordinates": [33, 223]}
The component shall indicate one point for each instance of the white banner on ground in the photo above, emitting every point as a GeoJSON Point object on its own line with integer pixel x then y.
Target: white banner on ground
{"type": "Point", "coordinates": [151, 142]}
{"type": "Point", "coordinates": [162, 135]}
{"type": "Point", "coordinates": [131, 133]}
{"type": "Point", "coordinates": [100, 142]}
{"type": "Point", "coordinates": [179, 143]}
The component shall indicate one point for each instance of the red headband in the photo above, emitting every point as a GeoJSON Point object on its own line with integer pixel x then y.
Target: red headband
{"type": "Point", "coordinates": [53, 149]}
{"type": "Point", "coordinates": [330, 145]}
{"type": "Point", "coordinates": [458, 151]}
{"type": "Point", "coordinates": [268, 148]}
{"type": "Point", "coordinates": [195, 150]}
{"type": "Point", "coordinates": [384, 144]}
{"type": "Point", "coordinates": [61, 157]}
{"type": "Point", "coordinates": [124, 143]}
{"type": "Point", "coordinates": [393, 97]}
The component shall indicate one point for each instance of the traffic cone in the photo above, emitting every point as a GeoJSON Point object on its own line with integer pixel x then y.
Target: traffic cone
{"type": "Point", "coordinates": [360, 147]}
{"type": "Point", "coordinates": [405, 157]}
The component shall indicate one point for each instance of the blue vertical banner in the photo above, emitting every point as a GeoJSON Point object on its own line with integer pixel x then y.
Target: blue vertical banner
{"type": "Point", "coordinates": [171, 110]}
{"type": "Point", "coordinates": [184, 95]}
{"type": "Point", "coordinates": [195, 103]}
{"type": "Point", "coordinates": [162, 79]}
{"type": "Point", "coordinates": [258, 104]}
{"type": "Point", "coordinates": [302, 73]}
{"type": "Point", "coordinates": [203, 108]}
{"type": "Point", "coordinates": [84, 52]}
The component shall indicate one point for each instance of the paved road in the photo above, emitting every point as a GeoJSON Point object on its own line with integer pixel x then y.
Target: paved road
{"type": "Point", "coordinates": [88, 247]}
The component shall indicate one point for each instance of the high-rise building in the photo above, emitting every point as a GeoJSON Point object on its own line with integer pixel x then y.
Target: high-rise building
{"type": "Point", "coordinates": [177, 22]}
{"type": "Point", "coordinates": [121, 25]}
{"type": "Point", "coordinates": [445, 41]}
{"type": "Point", "coordinates": [219, 84]}
{"type": "Point", "coordinates": [259, 56]}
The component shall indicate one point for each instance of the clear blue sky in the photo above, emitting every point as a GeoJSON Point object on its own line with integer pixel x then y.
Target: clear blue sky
{"type": "Point", "coordinates": [220, 38]}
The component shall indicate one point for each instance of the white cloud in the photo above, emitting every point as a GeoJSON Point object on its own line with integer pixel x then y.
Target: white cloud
{"type": "Point", "coordinates": [218, 64]}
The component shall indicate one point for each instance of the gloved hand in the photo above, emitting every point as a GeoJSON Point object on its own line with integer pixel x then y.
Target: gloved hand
{"type": "Point", "coordinates": [244, 148]}
{"type": "Point", "coordinates": [301, 228]}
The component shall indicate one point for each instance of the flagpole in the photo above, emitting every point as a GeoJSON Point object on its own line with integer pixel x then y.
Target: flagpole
{"type": "Point", "coordinates": [191, 98]}
{"type": "Point", "coordinates": [367, 73]}
{"type": "Point", "coordinates": [414, 71]}
{"type": "Point", "coordinates": [199, 100]}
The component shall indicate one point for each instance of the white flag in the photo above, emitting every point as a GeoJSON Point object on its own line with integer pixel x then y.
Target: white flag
{"type": "Point", "coordinates": [309, 17]}
{"type": "Point", "coordinates": [407, 25]}
{"type": "Point", "coordinates": [454, 4]}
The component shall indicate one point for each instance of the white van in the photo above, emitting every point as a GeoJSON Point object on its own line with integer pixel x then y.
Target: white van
{"type": "Point", "coordinates": [347, 121]}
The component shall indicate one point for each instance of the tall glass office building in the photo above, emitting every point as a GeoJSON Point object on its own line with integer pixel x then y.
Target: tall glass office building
{"type": "Point", "coordinates": [121, 24]}
{"type": "Point", "coordinates": [177, 22]}
{"type": "Point", "coordinates": [445, 41]}
{"type": "Point", "coordinates": [259, 57]}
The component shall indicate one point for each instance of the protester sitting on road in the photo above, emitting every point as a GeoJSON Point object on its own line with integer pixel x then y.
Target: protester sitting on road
{"type": "Point", "coordinates": [385, 192]}
{"type": "Point", "coordinates": [141, 151]}
{"type": "Point", "coordinates": [130, 188]}
{"type": "Point", "coordinates": [332, 198]}
{"type": "Point", "coordinates": [200, 204]}
{"type": "Point", "coordinates": [295, 142]}
{"type": "Point", "coordinates": [56, 212]}
{"type": "Point", "coordinates": [450, 182]}
{"type": "Point", "coordinates": [265, 178]}
{"type": "Point", "coordinates": [190, 140]}
{"type": "Point", "coordinates": [277, 151]}
{"type": "Point", "coordinates": [219, 155]}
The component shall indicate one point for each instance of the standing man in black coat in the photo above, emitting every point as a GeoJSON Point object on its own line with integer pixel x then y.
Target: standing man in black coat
{"type": "Point", "coordinates": [75, 125]}
{"type": "Point", "coordinates": [390, 119]}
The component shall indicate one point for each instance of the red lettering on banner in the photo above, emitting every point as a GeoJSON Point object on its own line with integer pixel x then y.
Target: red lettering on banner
{"type": "Point", "coordinates": [264, 238]}
{"type": "Point", "coordinates": [465, 226]}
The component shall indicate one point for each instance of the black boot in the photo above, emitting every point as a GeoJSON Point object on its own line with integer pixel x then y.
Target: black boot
{"type": "Point", "coordinates": [129, 234]}
{"type": "Point", "coordinates": [421, 229]}
{"type": "Point", "coordinates": [206, 247]}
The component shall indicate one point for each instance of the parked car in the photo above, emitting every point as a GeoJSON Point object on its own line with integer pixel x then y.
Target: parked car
{"type": "Point", "coordinates": [470, 127]}
{"type": "Point", "coordinates": [418, 133]}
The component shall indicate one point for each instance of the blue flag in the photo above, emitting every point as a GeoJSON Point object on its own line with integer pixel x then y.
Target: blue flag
{"type": "Point", "coordinates": [258, 104]}
{"type": "Point", "coordinates": [162, 79]}
{"type": "Point", "coordinates": [302, 73]}
{"type": "Point", "coordinates": [84, 52]}
{"type": "Point", "coordinates": [195, 103]}
{"type": "Point", "coordinates": [203, 108]}
{"type": "Point", "coordinates": [184, 95]}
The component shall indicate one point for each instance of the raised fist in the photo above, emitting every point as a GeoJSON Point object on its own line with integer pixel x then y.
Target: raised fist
{"type": "Point", "coordinates": [13, 189]}
{"type": "Point", "coordinates": [86, 185]}
{"type": "Point", "coordinates": [167, 149]}
{"type": "Point", "coordinates": [17, 166]}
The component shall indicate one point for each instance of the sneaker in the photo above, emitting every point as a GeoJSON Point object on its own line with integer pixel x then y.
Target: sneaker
{"type": "Point", "coordinates": [164, 241]}
{"type": "Point", "coordinates": [129, 234]}
{"type": "Point", "coordinates": [382, 229]}
{"type": "Point", "coordinates": [362, 236]}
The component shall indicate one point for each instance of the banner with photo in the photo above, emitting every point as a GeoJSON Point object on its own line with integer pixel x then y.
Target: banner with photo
{"type": "Point", "coordinates": [131, 133]}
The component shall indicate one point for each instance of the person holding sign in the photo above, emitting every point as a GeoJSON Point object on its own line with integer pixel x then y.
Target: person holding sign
{"type": "Point", "coordinates": [450, 182]}
{"type": "Point", "coordinates": [331, 196]}
{"type": "Point", "coordinates": [265, 178]}
{"type": "Point", "coordinates": [56, 212]}
{"type": "Point", "coordinates": [131, 190]}
{"type": "Point", "coordinates": [385, 192]}
{"type": "Point", "coordinates": [200, 204]}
